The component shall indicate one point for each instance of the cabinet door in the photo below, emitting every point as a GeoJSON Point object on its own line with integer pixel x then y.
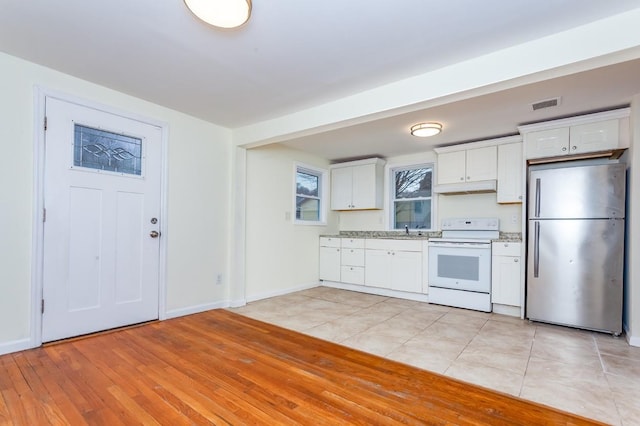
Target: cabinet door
{"type": "Point", "coordinates": [377, 268]}
{"type": "Point", "coordinates": [593, 137]}
{"type": "Point", "coordinates": [341, 188]}
{"type": "Point", "coordinates": [329, 263]}
{"type": "Point", "coordinates": [510, 173]}
{"type": "Point", "coordinates": [425, 267]}
{"type": "Point", "coordinates": [406, 271]}
{"type": "Point", "coordinates": [451, 167]}
{"type": "Point", "coordinates": [547, 143]}
{"type": "Point", "coordinates": [364, 187]}
{"type": "Point", "coordinates": [505, 280]}
{"type": "Point", "coordinates": [482, 164]}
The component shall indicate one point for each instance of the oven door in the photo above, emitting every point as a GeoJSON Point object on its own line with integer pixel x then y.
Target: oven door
{"type": "Point", "coordinates": [460, 266]}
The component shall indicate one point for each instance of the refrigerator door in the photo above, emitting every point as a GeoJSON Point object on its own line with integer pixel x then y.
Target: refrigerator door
{"type": "Point", "coordinates": [596, 191]}
{"type": "Point", "coordinates": [574, 273]}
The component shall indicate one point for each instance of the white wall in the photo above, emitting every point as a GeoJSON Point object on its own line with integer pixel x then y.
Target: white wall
{"type": "Point", "coordinates": [198, 195]}
{"type": "Point", "coordinates": [280, 256]}
{"type": "Point", "coordinates": [445, 206]}
{"type": "Point", "coordinates": [632, 284]}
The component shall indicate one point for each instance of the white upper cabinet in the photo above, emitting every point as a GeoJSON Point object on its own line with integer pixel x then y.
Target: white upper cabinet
{"type": "Point", "coordinates": [593, 137]}
{"type": "Point", "coordinates": [510, 165]}
{"type": "Point", "coordinates": [594, 133]}
{"type": "Point", "coordinates": [451, 167]}
{"type": "Point", "coordinates": [467, 165]}
{"type": "Point", "coordinates": [547, 143]}
{"type": "Point", "coordinates": [357, 185]}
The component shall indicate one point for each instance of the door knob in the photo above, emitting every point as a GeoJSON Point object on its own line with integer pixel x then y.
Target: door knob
{"type": "Point", "coordinates": [154, 234]}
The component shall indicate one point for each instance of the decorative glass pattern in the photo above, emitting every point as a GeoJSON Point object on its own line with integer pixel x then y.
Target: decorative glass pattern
{"type": "Point", "coordinates": [102, 150]}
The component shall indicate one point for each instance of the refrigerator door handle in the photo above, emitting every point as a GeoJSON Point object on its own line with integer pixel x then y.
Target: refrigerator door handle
{"type": "Point", "coordinates": [536, 250]}
{"type": "Point", "coordinates": [537, 207]}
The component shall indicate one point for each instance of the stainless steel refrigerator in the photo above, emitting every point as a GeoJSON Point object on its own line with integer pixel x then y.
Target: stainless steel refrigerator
{"type": "Point", "coordinates": [576, 245]}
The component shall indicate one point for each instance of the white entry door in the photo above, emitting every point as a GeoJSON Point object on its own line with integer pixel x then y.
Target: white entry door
{"type": "Point", "coordinates": [101, 231]}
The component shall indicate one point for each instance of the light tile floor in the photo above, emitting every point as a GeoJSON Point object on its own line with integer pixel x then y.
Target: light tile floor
{"type": "Point", "coordinates": [591, 374]}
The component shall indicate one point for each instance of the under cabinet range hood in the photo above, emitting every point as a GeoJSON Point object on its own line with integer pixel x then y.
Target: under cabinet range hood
{"type": "Point", "coordinates": [477, 187]}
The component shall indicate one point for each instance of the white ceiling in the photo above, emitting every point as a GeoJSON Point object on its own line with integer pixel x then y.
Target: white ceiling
{"type": "Point", "coordinates": [295, 54]}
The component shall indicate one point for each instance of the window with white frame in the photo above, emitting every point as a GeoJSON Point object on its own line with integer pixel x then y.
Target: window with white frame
{"type": "Point", "coordinates": [309, 200]}
{"type": "Point", "coordinates": [411, 202]}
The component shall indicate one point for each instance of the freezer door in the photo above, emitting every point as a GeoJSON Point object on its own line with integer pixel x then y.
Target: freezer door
{"type": "Point", "coordinates": [574, 273]}
{"type": "Point", "coordinates": [596, 191]}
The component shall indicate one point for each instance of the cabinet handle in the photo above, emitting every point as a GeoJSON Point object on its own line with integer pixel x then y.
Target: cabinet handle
{"type": "Point", "coordinates": [564, 148]}
{"type": "Point", "coordinates": [519, 197]}
{"type": "Point", "coordinates": [468, 177]}
{"type": "Point", "coordinates": [573, 148]}
{"type": "Point", "coordinates": [515, 260]}
{"type": "Point", "coordinates": [461, 177]}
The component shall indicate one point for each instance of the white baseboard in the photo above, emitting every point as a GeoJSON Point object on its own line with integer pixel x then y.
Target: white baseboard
{"type": "Point", "coordinates": [281, 292]}
{"type": "Point", "coordinates": [419, 297]}
{"type": "Point", "coordinates": [237, 303]}
{"type": "Point", "coordinates": [632, 340]}
{"type": "Point", "coordinates": [15, 346]}
{"type": "Point", "coordinates": [513, 311]}
{"type": "Point", "coordinates": [175, 313]}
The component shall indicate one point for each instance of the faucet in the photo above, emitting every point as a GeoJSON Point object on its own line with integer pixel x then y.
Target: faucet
{"type": "Point", "coordinates": [406, 229]}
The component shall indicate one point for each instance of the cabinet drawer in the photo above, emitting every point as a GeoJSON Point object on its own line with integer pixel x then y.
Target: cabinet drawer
{"type": "Point", "coordinates": [352, 274]}
{"type": "Point", "coordinates": [330, 242]}
{"type": "Point", "coordinates": [499, 248]}
{"type": "Point", "coordinates": [357, 243]}
{"type": "Point", "coordinates": [397, 245]}
{"type": "Point", "coordinates": [352, 257]}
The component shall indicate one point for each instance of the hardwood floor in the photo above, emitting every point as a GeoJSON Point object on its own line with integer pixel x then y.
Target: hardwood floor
{"type": "Point", "coordinates": [222, 368]}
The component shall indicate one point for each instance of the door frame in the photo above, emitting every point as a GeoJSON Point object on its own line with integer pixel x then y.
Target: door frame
{"type": "Point", "coordinates": [37, 246]}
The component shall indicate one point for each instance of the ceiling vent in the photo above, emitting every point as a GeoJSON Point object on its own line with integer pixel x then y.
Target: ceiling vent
{"type": "Point", "coordinates": [547, 103]}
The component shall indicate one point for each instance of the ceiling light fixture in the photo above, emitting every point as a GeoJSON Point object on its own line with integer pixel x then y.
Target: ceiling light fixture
{"type": "Point", "coordinates": [221, 13]}
{"type": "Point", "coordinates": [423, 130]}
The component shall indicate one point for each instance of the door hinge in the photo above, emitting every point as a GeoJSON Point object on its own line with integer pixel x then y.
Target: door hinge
{"type": "Point", "coordinates": [44, 215]}
{"type": "Point", "coordinates": [45, 123]}
{"type": "Point", "coordinates": [42, 307]}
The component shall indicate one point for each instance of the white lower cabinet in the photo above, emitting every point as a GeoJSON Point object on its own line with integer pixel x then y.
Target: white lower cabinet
{"type": "Point", "coordinates": [394, 264]}
{"type": "Point", "coordinates": [352, 261]}
{"type": "Point", "coordinates": [387, 265]}
{"type": "Point", "coordinates": [330, 259]}
{"type": "Point", "coordinates": [406, 271]}
{"type": "Point", "coordinates": [505, 273]}
{"type": "Point", "coordinates": [377, 270]}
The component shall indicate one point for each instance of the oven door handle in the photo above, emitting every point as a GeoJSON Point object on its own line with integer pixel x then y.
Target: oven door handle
{"type": "Point", "coordinates": [464, 245]}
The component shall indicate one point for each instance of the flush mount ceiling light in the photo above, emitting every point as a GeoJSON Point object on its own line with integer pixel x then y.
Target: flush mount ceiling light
{"type": "Point", "coordinates": [221, 13]}
{"type": "Point", "coordinates": [423, 130]}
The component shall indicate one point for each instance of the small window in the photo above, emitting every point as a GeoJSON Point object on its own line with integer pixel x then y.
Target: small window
{"type": "Point", "coordinates": [106, 151]}
{"type": "Point", "coordinates": [309, 204]}
{"type": "Point", "coordinates": [411, 197]}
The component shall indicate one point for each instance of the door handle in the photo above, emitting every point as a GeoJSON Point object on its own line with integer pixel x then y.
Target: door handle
{"type": "Point", "coordinates": [537, 210]}
{"type": "Point", "coordinates": [154, 234]}
{"type": "Point", "coordinates": [536, 250]}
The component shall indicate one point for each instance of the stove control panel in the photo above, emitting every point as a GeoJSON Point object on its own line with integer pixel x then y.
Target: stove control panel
{"type": "Point", "coordinates": [471, 224]}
